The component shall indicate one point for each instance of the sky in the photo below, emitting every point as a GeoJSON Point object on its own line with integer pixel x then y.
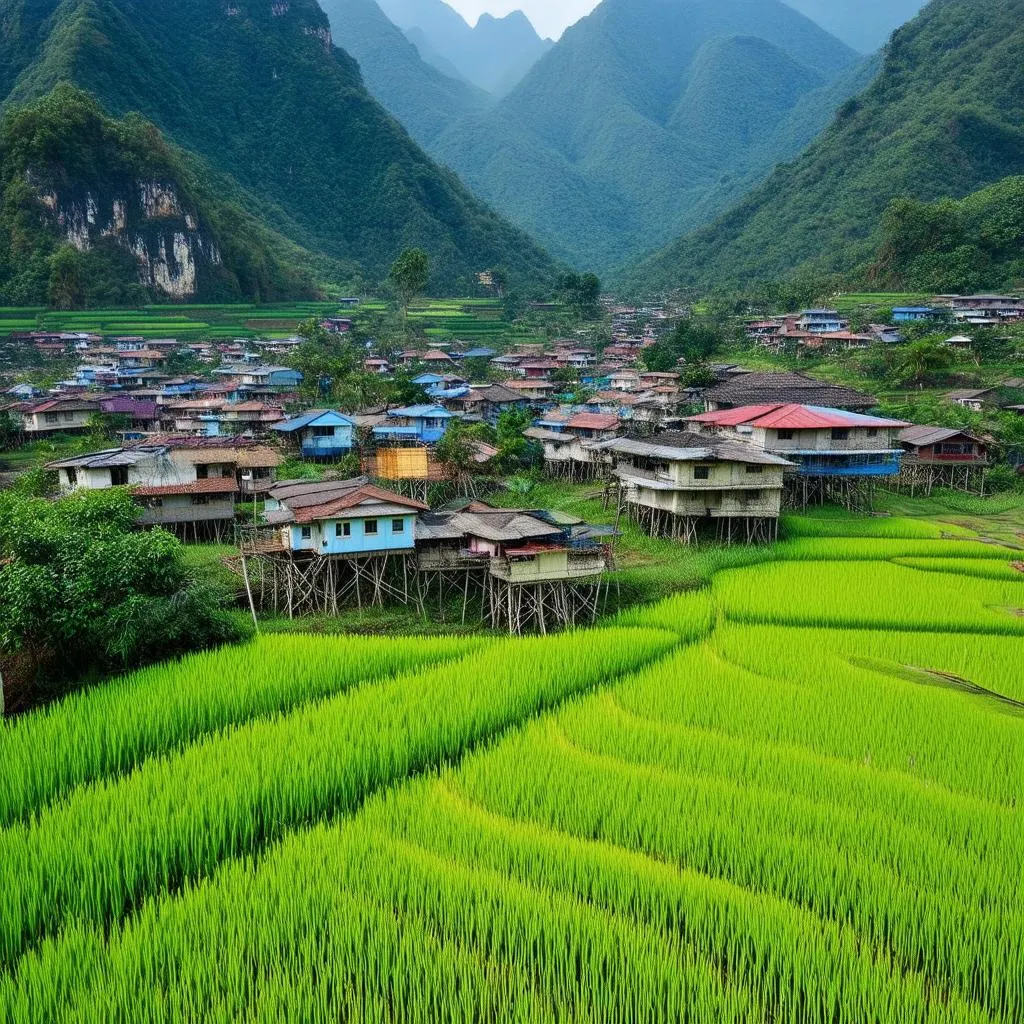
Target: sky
{"type": "Point", "coordinates": [550, 17]}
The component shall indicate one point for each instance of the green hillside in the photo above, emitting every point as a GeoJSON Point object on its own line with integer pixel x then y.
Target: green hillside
{"type": "Point", "coordinates": [943, 118]}
{"type": "Point", "coordinates": [618, 137]}
{"type": "Point", "coordinates": [424, 100]}
{"type": "Point", "coordinates": [260, 93]}
{"type": "Point", "coordinates": [96, 211]}
{"type": "Point", "coordinates": [963, 246]}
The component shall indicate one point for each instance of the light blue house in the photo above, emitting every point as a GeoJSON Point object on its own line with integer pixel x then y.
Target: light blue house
{"type": "Point", "coordinates": [320, 433]}
{"type": "Point", "coordinates": [424, 423]}
{"type": "Point", "coordinates": [343, 518]}
{"type": "Point", "coordinates": [910, 314]}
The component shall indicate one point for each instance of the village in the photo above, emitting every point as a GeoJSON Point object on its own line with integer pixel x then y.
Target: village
{"type": "Point", "coordinates": [331, 508]}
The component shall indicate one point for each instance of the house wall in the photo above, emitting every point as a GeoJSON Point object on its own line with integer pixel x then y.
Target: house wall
{"type": "Point", "coordinates": [185, 508]}
{"type": "Point", "coordinates": [37, 423]}
{"type": "Point", "coordinates": [715, 503]}
{"type": "Point", "coordinates": [859, 440]}
{"type": "Point", "coordinates": [723, 475]}
{"type": "Point", "coordinates": [324, 537]}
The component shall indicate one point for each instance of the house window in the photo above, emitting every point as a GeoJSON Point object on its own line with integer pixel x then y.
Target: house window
{"type": "Point", "coordinates": [200, 499]}
{"type": "Point", "coordinates": [873, 432]}
{"type": "Point", "coordinates": [154, 503]}
{"type": "Point", "coordinates": [322, 431]}
{"type": "Point", "coordinates": [786, 435]}
{"type": "Point", "coordinates": [118, 476]}
{"type": "Point", "coordinates": [701, 472]}
{"type": "Point", "coordinates": [69, 417]}
{"type": "Point", "coordinates": [52, 417]}
{"type": "Point", "coordinates": [753, 496]}
{"type": "Point", "coordinates": [755, 469]}
{"type": "Point", "coordinates": [307, 533]}
{"type": "Point", "coordinates": [370, 528]}
{"type": "Point", "coordinates": [840, 434]}
{"type": "Point", "coordinates": [343, 530]}
{"type": "Point", "coordinates": [398, 526]}
{"type": "Point", "coordinates": [72, 475]}
{"type": "Point", "coordinates": [202, 472]}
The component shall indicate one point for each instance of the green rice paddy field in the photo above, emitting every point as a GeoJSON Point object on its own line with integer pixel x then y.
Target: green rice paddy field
{"type": "Point", "coordinates": [465, 319]}
{"type": "Point", "coordinates": [794, 795]}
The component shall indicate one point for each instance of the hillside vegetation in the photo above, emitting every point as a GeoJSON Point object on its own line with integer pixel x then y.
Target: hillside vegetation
{"type": "Point", "coordinates": [960, 246]}
{"type": "Point", "coordinates": [96, 210]}
{"type": "Point", "coordinates": [425, 100]}
{"type": "Point", "coordinates": [646, 118]}
{"type": "Point", "coordinates": [258, 91]}
{"type": "Point", "coordinates": [942, 119]}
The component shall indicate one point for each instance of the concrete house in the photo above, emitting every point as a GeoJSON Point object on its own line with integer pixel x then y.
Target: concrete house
{"type": "Point", "coordinates": [58, 416]}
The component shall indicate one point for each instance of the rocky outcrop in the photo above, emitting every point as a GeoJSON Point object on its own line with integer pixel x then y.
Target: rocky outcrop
{"type": "Point", "coordinates": [147, 218]}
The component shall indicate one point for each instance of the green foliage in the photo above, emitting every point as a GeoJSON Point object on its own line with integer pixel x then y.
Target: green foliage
{"type": "Point", "coordinates": [61, 157]}
{"type": "Point", "coordinates": [682, 107]}
{"type": "Point", "coordinates": [695, 340]}
{"type": "Point", "coordinates": [82, 590]}
{"type": "Point", "coordinates": [581, 293]}
{"type": "Point", "coordinates": [943, 118]}
{"type": "Point", "coordinates": [516, 452]}
{"type": "Point", "coordinates": [951, 246]}
{"type": "Point", "coordinates": [308, 153]}
{"type": "Point", "coordinates": [409, 275]}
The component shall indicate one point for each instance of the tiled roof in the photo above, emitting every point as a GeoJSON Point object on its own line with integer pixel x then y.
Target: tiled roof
{"type": "Point", "coordinates": [359, 496]}
{"type": "Point", "coordinates": [778, 388]}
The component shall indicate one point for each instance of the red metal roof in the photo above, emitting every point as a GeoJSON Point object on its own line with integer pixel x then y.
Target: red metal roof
{"type": "Point", "coordinates": [792, 417]}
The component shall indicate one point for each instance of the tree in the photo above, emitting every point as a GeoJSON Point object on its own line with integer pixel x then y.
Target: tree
{"type": "Point", "coordinates": [83, 591]}
{"type": "Point", "coordinates": [582, 294]}
{"type": "Point", "coordinates": [515, 450]}
{"type": "Point", "coordinates": [409, 276]}
{"type": "Point", "coordinates": [455, 452]}
{"type": "Point", "coordinates": [66, 287]}
{"type": "Point", "coordinates": [693, 341]}
{"type": "Point", "coordinates": [924, 360]}
{"type": "Point", "coordinates": [326, 362]}
{"type": "Point", "coordinates": [499, 278]}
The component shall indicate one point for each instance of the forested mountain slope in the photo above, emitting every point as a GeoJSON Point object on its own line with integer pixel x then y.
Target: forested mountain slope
{"type": "Point", "coordinates": [104, 212]}
{"type": "Point", "coordinates": [257, 89]}
{"type": "Point", "coordinates": [944, 117]}
{"type": "Point", "coordinates": [643, 113]}
{"type": "Point", "coordinates": [422, 98]}
{"type": "Point", "coordinates": [494, 54]}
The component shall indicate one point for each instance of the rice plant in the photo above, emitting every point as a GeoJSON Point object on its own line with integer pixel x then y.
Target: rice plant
{"type": "Point", "coordinates": [110, 729]}
{"type": "Point", "coordinates": [109, 844]}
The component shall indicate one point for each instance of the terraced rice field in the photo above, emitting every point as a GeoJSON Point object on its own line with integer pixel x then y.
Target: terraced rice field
{"type": "Point", "coordinates": [793, 796]}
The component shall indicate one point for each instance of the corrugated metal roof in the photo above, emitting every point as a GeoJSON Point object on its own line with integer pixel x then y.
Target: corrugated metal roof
{"type": "Point", "coordinates": [921, 436]}
{"type": "Point", "coordinates": [689, 447]}
{"type": "Point", "coordinates": [309, 418]}
{"type": "Point", "coordinates": [793, 417]}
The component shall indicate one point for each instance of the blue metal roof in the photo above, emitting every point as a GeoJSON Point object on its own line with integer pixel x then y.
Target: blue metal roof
{"type": "Point", "coordinates": [316, 416]}
{"type": "Point", "coordinates": [480, 353]}
{"type": "Point", "coordinates": [422, 412]}
{"type": "Point", "coordinates": [428, 378]}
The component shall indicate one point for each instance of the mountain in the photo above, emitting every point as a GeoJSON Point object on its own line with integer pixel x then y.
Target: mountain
{"type": "Point", "coordinates": [951, 246]}
{"type": "Point", "coordinates": [942, 119]}
{"type": "Point", "coordinates": [422, 98]}
{"type": "Point", "coordinates": [258, 92]}
{"type": "Point", "coordinates": [105, 211]}
{"type": "Point", "coordinates": [494, 55]}
{"type": "Point", "coordinates": [863, 24]}
{"type": "Point", "coordinates": [644, 120]}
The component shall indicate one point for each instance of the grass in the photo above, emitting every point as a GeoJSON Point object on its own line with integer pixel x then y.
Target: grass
{"type": "Point", "coordinates": [792, 794]}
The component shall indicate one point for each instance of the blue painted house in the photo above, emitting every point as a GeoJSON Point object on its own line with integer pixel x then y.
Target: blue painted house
{"type": "Point", "coordinates": [320, 433]}
{"type": "Point", "coordinates": [910, 314]}
{"type": "Point", "coordinates": [424, 423]}
{"type": "Point", "coordinates": [343, 518]}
